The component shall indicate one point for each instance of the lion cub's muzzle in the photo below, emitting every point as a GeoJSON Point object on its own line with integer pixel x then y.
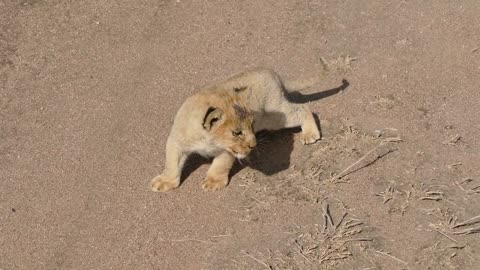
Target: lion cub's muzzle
{"type": "Point", "coordinates": [245, 149]}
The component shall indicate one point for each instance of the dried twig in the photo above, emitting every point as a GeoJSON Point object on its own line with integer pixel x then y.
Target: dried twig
{"type": "Point", "coordinates": [352, 223]}
{"type": "Point", "coordinates": [393, 257]}
{"type": "Point", "coordinates": [444, 234]}
{"type": "Point", "coordinates": [193, 240]}
{"type": "Point", "coordinates": [471, 221]}
{"type": "Point", "coordinates": [454, 165]}
{"type": "Point", "coordinates": [327, 218]}
{"type": "Point", "coordinates": [453, 140]}
{"type": "Point", "coordinates": [377, 156]}
{"type": "Point", "coordinates": [466, 181]}
{"type": "Point", "coordinates": [341, 221]}
{"type": "Point", "coordinates": [358, 240]}
{"type": "Point", "coordinates": [474, 190]}
{"type": "Point", "coordinates": [468, 231]}
{"type": "Point", "coordinates": [221, 235]}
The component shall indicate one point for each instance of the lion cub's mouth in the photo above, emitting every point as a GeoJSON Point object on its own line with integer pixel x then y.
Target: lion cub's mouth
{"type": "Point", "coordinates": [238, 155]}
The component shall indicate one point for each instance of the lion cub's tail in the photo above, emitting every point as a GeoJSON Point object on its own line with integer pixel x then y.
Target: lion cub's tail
{"type": "Point", "coordinates": [299, 85]}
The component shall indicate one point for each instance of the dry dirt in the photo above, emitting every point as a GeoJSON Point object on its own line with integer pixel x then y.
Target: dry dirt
{"type": "Point", "coordinates": [89, 89]}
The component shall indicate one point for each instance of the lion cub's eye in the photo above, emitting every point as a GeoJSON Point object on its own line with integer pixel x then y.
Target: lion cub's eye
{"type": "Point", "coordinates": [237, 133]}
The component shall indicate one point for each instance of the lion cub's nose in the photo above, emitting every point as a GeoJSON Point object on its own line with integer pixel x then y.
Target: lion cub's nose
{"type": "Point", "coordinates": [252, 144]}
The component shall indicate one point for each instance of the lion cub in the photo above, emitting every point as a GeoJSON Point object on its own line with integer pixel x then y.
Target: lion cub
{"type": "Point", "coordinates": [220, 121]}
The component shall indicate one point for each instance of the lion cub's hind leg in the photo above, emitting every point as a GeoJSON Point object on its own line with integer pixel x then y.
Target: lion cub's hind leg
{"type": "Point", "coordinates": [310, 131]}
{"type": "Point", "coordinates": [217, 175]}
{"type": "Point", "coordinates": [300, 115]}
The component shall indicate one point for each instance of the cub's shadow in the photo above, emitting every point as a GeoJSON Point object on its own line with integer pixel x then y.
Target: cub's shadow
{"type": "Point", "coordinates": [272, 154]}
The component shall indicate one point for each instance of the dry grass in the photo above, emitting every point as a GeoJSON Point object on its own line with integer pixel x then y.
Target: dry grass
{"type": "Point", "coordinates": [340, 64]}
{"type": "Point", "coordinates": [309, 183]}
{"type": "Point", "coordinates": [469, 186]}
{"type": "Point", "coordinates": [448, 224]}
{"type": "Point", "coordinates": [387, 195]}
{"type": "Point", "coordinates": [401, 198]}
{"type": "Point", "coordinates": [313, 247]}
{"type": "Point", "coordinates": [424, 192]}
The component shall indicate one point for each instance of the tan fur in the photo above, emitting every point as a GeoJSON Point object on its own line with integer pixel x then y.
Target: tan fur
{"type": "Point", "coordinates": [247, 102]}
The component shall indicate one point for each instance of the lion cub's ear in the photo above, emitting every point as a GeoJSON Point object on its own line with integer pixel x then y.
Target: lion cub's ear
{"type": "Point", "coordinates": [239, 89]}
{"type": "Point", "coordinates": [212, 116]}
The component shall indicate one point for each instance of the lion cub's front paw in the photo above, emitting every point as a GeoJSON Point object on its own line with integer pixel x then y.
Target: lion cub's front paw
{"type": "Point", "coordinates": [215, 183]}
{"type": "Point", "coordinates": [310, 136]}
{"type": "Point", "coordinates": [163, 184]}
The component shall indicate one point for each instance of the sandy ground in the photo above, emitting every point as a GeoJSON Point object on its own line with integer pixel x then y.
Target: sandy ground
{"type": "Point", "coordinates": [89, 89]}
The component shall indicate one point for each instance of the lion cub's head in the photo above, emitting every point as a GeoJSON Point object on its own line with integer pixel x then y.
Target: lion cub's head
{"type": "Point", "coordinates": [230, 125]}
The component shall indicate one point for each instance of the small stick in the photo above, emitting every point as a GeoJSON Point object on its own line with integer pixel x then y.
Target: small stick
{"type": "Point", "coordinates": [444, 234]}
{"type": "Point", "coordinates": [468, 231]}
{"type": "Point", "coordinates": [432, 193]}
{"type": "Point", "coordinates": [453, 140]}
{"type": "Point", "coordinates": [341, 220]}
{"type": "Point", "coordinates": [345, 172]}
{"type": "Point", "coordinates": [191, 239]}
{"type": "Point", "coordinates": [460, 186]}
{"type": "Point", "coordinates": [466, 180]}
{"type": "Point", "coordinates": [352, 223]}
{"type": "Point", "coordinates": [326, 213]}
{"type": "Point", "coordinates": [395, 258]}
{"type": "Point", "coordinates": [325, 223]}
{"type": "Point", "coordinates": [430, 198]}
{"type": "Point", "coordinates": [458, 246]}
{"type": "Point", "coordinates": [454, 165]}
{"type": "Point", "coordinates": [470, 221]}
{"type": "Point", "coordinates": [221, 235]}
{"type": "Point", "coordinates": [358, 240]}
{"type": "Point", "coordinates": [340, 256]}
{"type": "Point", "coordinates": [474, 190]}
{"type": "Point", "coordinates": [452, 221]}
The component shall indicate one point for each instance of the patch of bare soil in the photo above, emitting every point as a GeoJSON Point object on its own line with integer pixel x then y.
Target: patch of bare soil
{"type": "Point", "coordinates": [89, 90]}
